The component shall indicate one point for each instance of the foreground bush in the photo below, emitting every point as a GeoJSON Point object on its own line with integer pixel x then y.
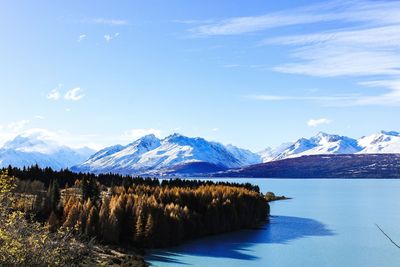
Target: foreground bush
{"type": "Point", "coordinates": [24, 242]}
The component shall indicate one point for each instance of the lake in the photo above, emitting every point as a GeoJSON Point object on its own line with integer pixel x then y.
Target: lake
{"type": "Point", "coordinates": [329, 222]}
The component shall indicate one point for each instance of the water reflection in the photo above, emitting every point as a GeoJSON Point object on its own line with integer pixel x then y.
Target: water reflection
{"type": "Point", "coordinates": [238, 245]}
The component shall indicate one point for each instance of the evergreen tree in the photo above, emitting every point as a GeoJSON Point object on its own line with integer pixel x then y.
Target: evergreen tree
{"type": "Point", "coordinates": [53, 222]}
{"type": "Point", "coordinates": [55, 195]}
{"type": "Point", "coordinates": [149, 230]}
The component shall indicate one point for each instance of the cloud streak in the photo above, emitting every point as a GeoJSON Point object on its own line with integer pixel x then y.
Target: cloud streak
{"type": "Point", "coordinates": [104, 21]}
{"type": "Point", "coordinates": [343, 11]}
{"type": "Point", "coordinates": [134, 134]}
{"type": "Point", "coordinates": [391, 98]}
{"type": "Point", "coordinates": [318, 122]}
{"type": "Point", "coordinates": [363, 42]}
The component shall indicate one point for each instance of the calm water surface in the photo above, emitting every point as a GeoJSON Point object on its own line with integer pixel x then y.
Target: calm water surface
{"type": "Point", "coordinates": [327, 223]}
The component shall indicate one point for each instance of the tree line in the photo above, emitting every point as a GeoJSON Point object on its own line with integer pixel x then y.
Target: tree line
{"type": "Point", "coordinates": [67, 178]}
{"type": "Point", "coordinates": [142, 212]}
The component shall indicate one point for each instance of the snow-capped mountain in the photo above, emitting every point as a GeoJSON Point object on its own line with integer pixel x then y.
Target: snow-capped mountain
{"type": "Point", "coordinates": [181, 154]}
{"type": "Point", "coordinates": [382, 142]}
{"type": "Point", "coordinates": [245, 156]}
{"type": "Point", "coordinates": [29, 149]}
{"type": "Point", "coordinates": [323, 143]}
{"type": "Point", "coordinates": [119, 158]}
{"type": "Point", "coordinates": [149, 153]}
{"type": "Point", "coordinates": [269, 153]}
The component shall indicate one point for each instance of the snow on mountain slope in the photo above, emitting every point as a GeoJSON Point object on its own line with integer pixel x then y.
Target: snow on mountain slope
{"type": "Point", "coordinates": [29, 149]}
{"type": "Point", "coordinates": [269, 153]}
{"type": "Point", "coordinates": [246, 157]}
{"type": "Point", "coordinates": [382, 142]}
{"type": "Point", "coordinates": [149, 153]}
{"type": "Point", "coordinates": [119, 158]}
{"type": "Point", "coordinates": [322, 143]}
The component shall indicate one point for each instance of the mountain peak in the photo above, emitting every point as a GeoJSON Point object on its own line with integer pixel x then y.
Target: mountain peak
{"type": "Point", "coordinates": [148, 137]}
{"type": "Point", "coordinates": [323, 134]}
{"type": "Point", "coordinates": [181, 139]}
{"type": "Point", "coordinates": [392, 133]}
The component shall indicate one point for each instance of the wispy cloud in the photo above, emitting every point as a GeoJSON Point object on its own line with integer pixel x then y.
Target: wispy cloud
{"type": "Point", "coordinates": [344, 11]}
{"type": "Point", "coordinates": [104, 21]}
{"type": "Point", "coordinates": [391, 98]}
{"type": "Point", "coordinates": [109, 37]}
{"type": "Point", "coordinates": [317, 122]}
{"type": "Point", "coordinates": [39, 117]}
{"type": "Point", "coordinates": [134, 134]}
{"type": "Point", "coordinates": [53, 94]}
{"type": "Point", "coordinates": [17, 125]}
{"type": "Point", "coordinates": [231, 66]}
{"type": "Point", "coordinates": [305, 98]}
{"type": "Point", "coordinates": [81, 37]}
{"type": "Point", "coordinates": [363, 42]}
{"type": "Point", "coordinates": [59, 137]}
{"type": "Point", "coordinates": [74, 94]}
{"type": "Point", "coordinates": [333, 54]}
{"type": "Point", "coordinates": [10, 130]}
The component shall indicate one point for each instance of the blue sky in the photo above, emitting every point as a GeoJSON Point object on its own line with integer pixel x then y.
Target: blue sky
{"type": "Point", "coordinates": [251, 73]}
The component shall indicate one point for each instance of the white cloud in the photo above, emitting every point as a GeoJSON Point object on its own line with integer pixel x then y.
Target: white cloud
{"type": "Point", "coordinates": [109, 37]}
{"type": "Point", "coordinates": [81, 37]}
{"type": "Point", "coordinates": [333, 53]}
{"type": "Point", "coordinates": [304, 98]}
{"type": "Point", "coordinates": [39, 117]}
{"type": "Point", "coordinates": [9, 131]}
{"type": "Point", "coordinates": [74, 94]}
{"type": "Point", "coordinates": [317, 122]}
{"type": "Point", "coordinates": [67, 110]}
{"type": "Point", "coordinates": [74, 140]}
{"type": "Point", "coordinates": [134, 134]}
{"type": "Point", "coordinates": [390, 98]}
{"type": "Point", "coordinates": [54, 94]}
{"type": "Point", "coordinates": [344, 11]}
{"type": "Point", "coordinates": [112, 22]}
{"type": "Point", "coordinates": [363, 42]}
{"type": "Point", "coordinates": [215, 129]}
{"type": "Point", "coordinates": [17, 125]}
{"type": "Point", "coordinates": [231, 66]}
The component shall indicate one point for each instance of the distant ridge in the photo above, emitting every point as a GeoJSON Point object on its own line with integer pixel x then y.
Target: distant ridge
{"type": "Point", "coordinates": [181, 155]}
{"type": "Point", "coordinates": [30, 149]}
{"type": "Point", "coordinates": [173, 154]}
{"type": "Point", "coordinates": [324, 166]}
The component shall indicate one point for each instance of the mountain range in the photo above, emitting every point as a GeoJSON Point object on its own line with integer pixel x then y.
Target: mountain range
{"type": "Point", "coordinates": [30, 149]}
{"type": "Point", "coordinates": [151, 155]}
{"type": "Point", "coordinates": [179, 154]}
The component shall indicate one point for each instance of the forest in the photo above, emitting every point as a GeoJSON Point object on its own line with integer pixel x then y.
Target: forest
{"type": "Point", "coordinates": [134, 211]}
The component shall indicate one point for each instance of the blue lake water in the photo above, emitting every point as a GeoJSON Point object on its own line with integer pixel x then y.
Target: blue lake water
{"type": "Point", "coordinates": [329, 222]}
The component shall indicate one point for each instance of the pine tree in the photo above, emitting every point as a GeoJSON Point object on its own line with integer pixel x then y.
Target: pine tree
{"type": "Point", "coordinates": [53, 222]}
{"type": "Point", "coordinates": [92, 222]}
{"type": "Point", "coordinates": [55, 195]}
{"type": "Point", "coordinates": [139, 228]}
{"type": "Point", "coordinates": [149, 230]}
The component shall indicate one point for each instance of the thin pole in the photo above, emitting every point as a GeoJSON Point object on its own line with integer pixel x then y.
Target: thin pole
{"type": "Point", "coordinates": [394, 243]}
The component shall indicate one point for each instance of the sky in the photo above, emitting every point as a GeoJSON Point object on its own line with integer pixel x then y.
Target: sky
{"type": "Point", "coordinates": [250, 73]}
